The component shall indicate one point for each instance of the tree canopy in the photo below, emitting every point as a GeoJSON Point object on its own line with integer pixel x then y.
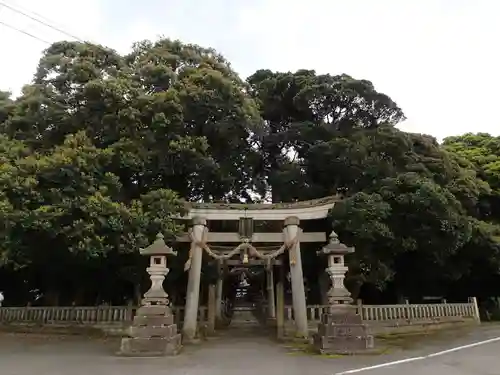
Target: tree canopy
{"type": "Point", "coordinates": [99, 149]}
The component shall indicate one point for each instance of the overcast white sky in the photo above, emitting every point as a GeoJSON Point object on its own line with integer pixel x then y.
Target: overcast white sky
{"type": "Point", "coordinates": [439, 59]}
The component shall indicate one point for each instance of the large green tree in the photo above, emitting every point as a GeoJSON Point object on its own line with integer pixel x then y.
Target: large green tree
{"type": "Point", "coordinates": [102, 146]}
{"type": "Point", "coordinates": [482, 152]}
{"type": "Point", "coordinates": [99, 148]}
{"type": "Point", "coordinates": [409, 202]}
{"type": "Point", "coordinates": [303, 111]}
{"type": "Point", "coordinates": [63, 208]}
{"type": "Point", "coordinates": [176, 115]}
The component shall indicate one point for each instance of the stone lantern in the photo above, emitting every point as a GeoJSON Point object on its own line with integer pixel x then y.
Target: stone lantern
{"type": "Point", "coordinates": [338, 296]}
{"type": "Point", "coordinates": [153, 332]}
{"type": "Point", "coordinates": [157, 271]}
{"type": "Point", "coordinates": [341, 330]}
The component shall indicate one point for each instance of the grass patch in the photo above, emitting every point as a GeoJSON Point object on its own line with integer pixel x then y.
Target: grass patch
{"type": "Point", "coordinates": [309, 350]}
{"type": "Point", "coordinates": [297, 347]}
{"type": "Point", "coordinates": [412, 339]}
{"type": "Point", "coordinates": [384, 343]}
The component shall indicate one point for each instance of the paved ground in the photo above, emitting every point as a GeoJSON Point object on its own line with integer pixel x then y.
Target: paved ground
{"type": "Point", "coordinates": [231, 354]}
{"type": "Point", "coordinates": [480, 360]}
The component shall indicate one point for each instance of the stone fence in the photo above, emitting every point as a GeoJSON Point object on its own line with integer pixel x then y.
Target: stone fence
{"type": "Point", "coordinates": [79, 314]}
{"type": "Point", "coordinates": [400, 312]}
{"type": "Point", "coordinates": [371, 314]}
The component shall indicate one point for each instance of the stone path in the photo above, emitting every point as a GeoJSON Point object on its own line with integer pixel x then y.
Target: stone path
{"type": "Point", "coordinates": [235, 355]}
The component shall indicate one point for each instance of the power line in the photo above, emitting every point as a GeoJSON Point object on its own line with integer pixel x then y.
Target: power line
{"type": "Point", "coordinates": [47, 23]}
{"type": "Point", "coordinates": [40, 21]}
{"type": "Point", "coordinates": [40, 16]}
{"type": "Point", "coordinates": [24, 32]}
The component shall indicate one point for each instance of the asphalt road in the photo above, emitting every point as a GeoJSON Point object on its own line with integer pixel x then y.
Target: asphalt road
{"type": "Point", "coordinates": [234, 355]}
{"type": "Point", "coordinates": [480, 360]}
{"type": "Point", "coordinates": [472, 352]}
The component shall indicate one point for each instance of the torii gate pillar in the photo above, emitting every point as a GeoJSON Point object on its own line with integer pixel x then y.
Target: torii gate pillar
{"type": "Point", "coordinates": [193, 287]}
{"type": "Point", "coordinates": [292, 233]}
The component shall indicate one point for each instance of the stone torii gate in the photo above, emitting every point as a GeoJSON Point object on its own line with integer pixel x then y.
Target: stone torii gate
{"type": "Point", "coordinates": [248, 250]}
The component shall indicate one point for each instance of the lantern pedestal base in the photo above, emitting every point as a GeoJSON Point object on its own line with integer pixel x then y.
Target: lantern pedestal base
{"type": "Point", "coordinates": [342, 332]}
{"type": "Point", "coordinates": [152, 334]}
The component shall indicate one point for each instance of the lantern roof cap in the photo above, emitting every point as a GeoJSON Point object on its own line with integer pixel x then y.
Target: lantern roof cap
{"type": "Point", "coordinates": [158, 247]}
{"type": "Point", "coordinates": [334, 246]}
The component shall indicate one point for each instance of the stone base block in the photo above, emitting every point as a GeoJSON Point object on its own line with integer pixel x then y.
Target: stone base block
{"type": "Point", "coordinates": [342, 332]}
{"type": "Point", "coordinates": [343, 345]}
{"type": "Point", "coordinates": [341, 317]}
{"type": "Point", "coordinates": [150, 347]}
{"type": "Point", "coordinates": [153, 320]}
{"type": "Point", "coordinates": [155, 310]}
{"type": "Point", "coordinates": [153, 331]}
{"type": "Point", "coordinates": [152, 334]}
